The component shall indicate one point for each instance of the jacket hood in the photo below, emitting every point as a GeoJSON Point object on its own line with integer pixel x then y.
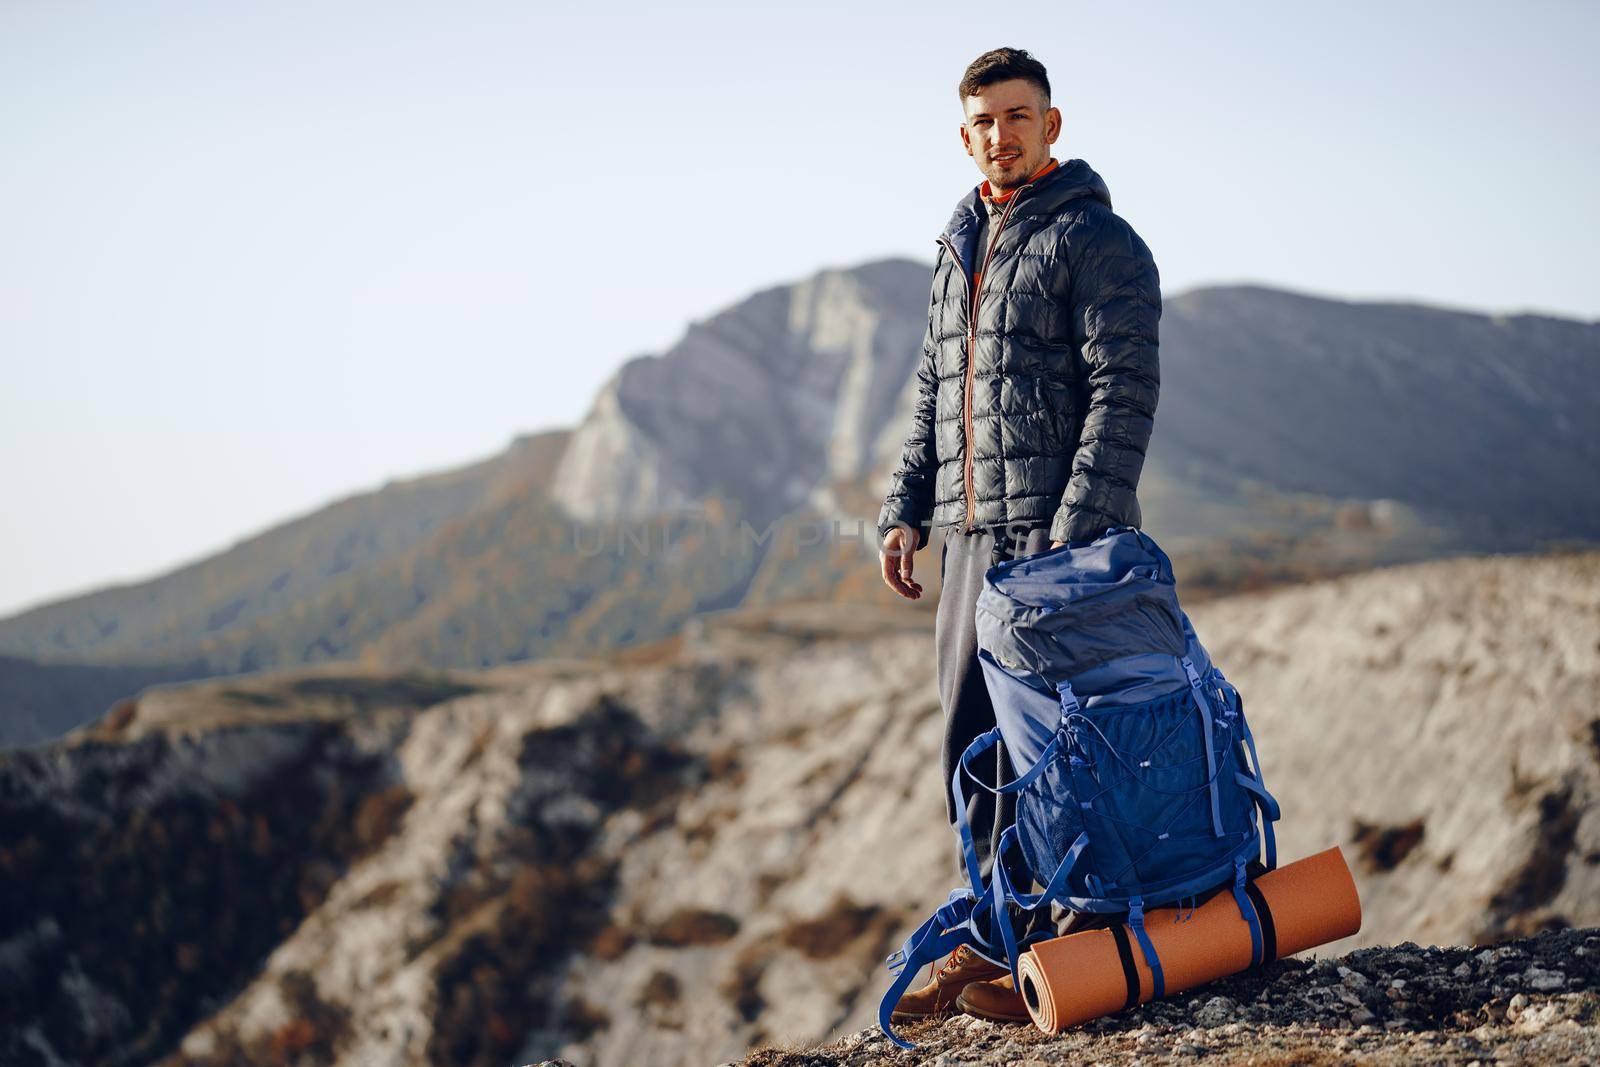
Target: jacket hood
{"type": "Point", "coordinates": [1072, 180]}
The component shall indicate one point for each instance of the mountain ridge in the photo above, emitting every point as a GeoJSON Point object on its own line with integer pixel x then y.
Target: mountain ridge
{"type": "Point", "coordinates": [1273, 459]}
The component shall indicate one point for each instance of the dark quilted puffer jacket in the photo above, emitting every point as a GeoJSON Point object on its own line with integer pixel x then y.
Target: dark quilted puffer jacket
{"type": "Point", "coordinates": [1038, 410]}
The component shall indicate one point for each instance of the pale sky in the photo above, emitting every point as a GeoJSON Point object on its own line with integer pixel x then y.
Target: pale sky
{"type": "Point", "coordinates": [254, 258]}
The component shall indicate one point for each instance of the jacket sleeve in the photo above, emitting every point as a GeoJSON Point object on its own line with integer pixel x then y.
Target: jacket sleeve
{"type": "Point", "coordinates": [911, 484]}
{"type": "Point", "coordinates": [1116, 308]}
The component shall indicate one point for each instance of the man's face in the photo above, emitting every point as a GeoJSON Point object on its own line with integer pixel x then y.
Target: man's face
{"type": "Point", "coordinates": [1008, 132]}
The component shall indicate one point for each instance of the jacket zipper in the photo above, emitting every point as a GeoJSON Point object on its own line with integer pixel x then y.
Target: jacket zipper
{"type": "Point", "coordinates": [973, 300]}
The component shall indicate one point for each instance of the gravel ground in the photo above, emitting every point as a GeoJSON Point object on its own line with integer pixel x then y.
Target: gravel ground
{"type": "Point", "coordinates": [1534, 1000]}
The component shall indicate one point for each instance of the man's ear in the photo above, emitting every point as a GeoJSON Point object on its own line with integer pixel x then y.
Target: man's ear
{"type": "Point", "coordinates": [966, 139]}
{"type": "Point", "coordinates": [1052, 125]}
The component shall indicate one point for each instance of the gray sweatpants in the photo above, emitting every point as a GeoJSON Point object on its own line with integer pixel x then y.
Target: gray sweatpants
{"type": "Point", "coordinates": [962, 693]}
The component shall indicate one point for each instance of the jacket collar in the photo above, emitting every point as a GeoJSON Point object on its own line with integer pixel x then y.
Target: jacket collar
{"type": "Point", "coordinates": [1048, 193]}
{"type": "Point", "coordinates": [990, 195]}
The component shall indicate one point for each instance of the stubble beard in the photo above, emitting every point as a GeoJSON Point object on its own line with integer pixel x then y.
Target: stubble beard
{"type": "Point", "coordinates": [1002, 180]}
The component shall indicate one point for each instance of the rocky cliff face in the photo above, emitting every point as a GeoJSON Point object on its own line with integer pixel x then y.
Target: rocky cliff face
{"type": "Point", "coordinates": [1454, 708]}
{"type": "Point", "coordinates": [764, 403]}
{"type": "Point", "coordinates": [1472, 427]}
{"type": "Point", "coordinates": [711, 846]}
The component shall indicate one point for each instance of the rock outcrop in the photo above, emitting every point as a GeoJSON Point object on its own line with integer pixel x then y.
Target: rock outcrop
{"type": "Point", "coordinates": [711, 846]}
{"type": "Point", "coordinates": [1453, 709]}
{"type": "Point", "coordinates": [764, 403]}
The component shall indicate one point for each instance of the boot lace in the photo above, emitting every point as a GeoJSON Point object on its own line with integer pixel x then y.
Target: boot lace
{"type": "Point", "coordinates": [957, 958]}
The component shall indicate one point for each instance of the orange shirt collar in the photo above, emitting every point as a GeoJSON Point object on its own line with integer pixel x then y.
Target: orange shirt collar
{"type": "Point", "coordinates": [983, 190]}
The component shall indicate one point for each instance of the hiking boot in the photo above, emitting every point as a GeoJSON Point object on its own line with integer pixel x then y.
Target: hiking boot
{"type": "Point", "coordinates": [996, 1000]}
{"type": "Point", "coordinates": [938, 997]}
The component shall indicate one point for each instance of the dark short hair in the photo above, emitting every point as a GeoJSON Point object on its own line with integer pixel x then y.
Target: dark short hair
{"type": "Point", "coordinates": [1003, 64]}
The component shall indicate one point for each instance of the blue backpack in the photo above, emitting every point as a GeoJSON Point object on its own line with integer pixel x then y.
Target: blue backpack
{"type": "Point", "coordinates": [1133, 789]}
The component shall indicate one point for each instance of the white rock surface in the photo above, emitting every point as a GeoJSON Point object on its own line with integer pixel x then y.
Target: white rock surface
{"type": "Point", "coordinates": [1461, 696]}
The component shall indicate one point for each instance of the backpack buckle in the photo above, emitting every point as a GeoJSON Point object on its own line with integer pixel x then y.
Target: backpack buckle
{"type": "Point", "coordinates": [1069, 700]}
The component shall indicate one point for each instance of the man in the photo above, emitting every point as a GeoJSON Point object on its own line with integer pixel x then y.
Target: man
{"type": "Point", "coordinates": [1036, 393]}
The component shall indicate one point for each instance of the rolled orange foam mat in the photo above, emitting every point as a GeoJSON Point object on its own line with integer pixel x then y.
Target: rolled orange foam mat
{"type": "Point", "coordinates": [1072, 979]}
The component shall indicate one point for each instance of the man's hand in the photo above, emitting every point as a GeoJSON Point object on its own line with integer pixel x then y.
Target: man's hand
{"type": "Point", "coordinates": [1057, 544]}
{"type": "Point", "coordinates": [895, 557]}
